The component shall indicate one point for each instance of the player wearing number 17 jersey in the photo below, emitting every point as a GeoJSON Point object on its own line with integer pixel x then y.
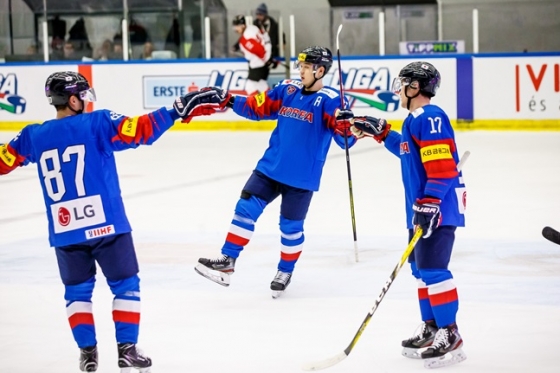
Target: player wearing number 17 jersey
{"type": "Point", "coordinates": [87, 221]}
{"type": "Point", "coordinates": [435, 197]}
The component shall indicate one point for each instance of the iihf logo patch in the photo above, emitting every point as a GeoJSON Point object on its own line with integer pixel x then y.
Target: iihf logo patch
{"type": "Point", "coordinates": [291, 89]}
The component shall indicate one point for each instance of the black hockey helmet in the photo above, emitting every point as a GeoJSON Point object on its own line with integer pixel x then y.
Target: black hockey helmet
{"type": "Point", "coordinates": [60, 86]}
{"type": "Point", "coordinates": [319, 56]}
{"type": "Point", "coordinates": [424, 73]}
{"type": "Point", "coordinates": [239, 20]}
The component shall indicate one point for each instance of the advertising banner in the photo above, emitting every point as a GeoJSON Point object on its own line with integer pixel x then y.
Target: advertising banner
{"type": "Point", "coordinates": [366, 83]}
{"type": "Point", "coordinates": [431, 47]}
{"type": "Point", "coordinates": [22, 93]}
{"type": "Point", "coordinates": [493, 90]}
{"type": "Point", "coordinates": [517, 88]}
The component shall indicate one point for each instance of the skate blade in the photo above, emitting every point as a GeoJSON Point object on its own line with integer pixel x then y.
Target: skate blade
{"type": "Point", "coordinates": [136, 370]}
{"type": "Point", "coordinates": [218, 277]}
{"type": "Point", "coordinates": [413, 353]}
{"type": "Point", "coordinates": [450, 358]}
{"type": "Point", "coordinates": [277, 293]}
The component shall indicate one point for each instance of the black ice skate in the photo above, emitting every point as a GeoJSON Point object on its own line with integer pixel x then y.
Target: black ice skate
{"type": "Point", "coordinates": [280, 283]}
{"type": "Point", "coordinates": [445, 349]}
{"type": "Point", "coordinates": [217, 270]}
{"type": "Point", "coordinates": [132, 358]}
{"type": "Point", "coordinates": [88, 359]}
{"type": "Point", "coordinates": [423, 337]}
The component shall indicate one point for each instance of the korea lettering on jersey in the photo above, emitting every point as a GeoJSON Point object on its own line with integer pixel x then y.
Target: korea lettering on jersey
{"type": "Point", "coordinates": [300, 142]}
{"type": "Point", "coordinates": [256, 47]}
{"type": "Point", "coordinates": [77, 169]}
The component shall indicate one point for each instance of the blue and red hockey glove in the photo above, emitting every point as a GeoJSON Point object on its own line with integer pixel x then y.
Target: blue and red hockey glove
{"type": "Point", "coordinates": [206, 101]}
{"type": "Point", "coordinates": [370, 126]}
{"type": "Point", "coordinates": [343, 122]}
{"type": "Point", "coordinates": [426, 215]}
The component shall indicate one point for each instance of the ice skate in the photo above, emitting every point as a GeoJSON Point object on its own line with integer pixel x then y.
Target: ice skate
{"type": "Point", "coordinates": [217, 270]}
{"type": "Point", "coordinates": [424, 336]}
{"type": "Point", "coordinates": [88, 359]}
{"type": "Point", "coordinates": [132, 358]}
{"type": "Point", "coordinates": [445, 350]}
{"type": "Point", "coordinates": [280, 283]}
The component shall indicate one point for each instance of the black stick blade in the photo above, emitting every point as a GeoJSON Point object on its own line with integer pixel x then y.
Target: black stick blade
{"type": "Point", "coordinates": [551, 234]}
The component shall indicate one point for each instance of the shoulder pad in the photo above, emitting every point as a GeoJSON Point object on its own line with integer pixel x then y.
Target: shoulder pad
{"type": "Point", "coordinates": [416, 113]}
{"type": "Point", "coordinates": [297, 83]}
{"type": "Point", "coordinates": [251, 31]}
{"type": "Point", "coordinates": [329, 92]}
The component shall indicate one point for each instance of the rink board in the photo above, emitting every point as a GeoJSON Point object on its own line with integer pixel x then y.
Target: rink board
{"type": "Point", "coordinates": [492, 92]}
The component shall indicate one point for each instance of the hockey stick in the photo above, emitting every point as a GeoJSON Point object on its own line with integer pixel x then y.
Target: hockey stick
{"type": "Point", "coordinates": [350, 190]}
{"type": "Point", "coordinates": [551, 234]}
{"type": "Point", "coordinates": [463, 159]}
{"type": "Point", "coordinates": [341, 356]}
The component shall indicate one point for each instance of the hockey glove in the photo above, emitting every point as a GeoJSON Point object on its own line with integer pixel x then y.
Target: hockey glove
{"type": "Point", "coordinates": [370, 126]}
{"type": "Point", "coordinates": [206, 101]}
{"type": "Point", "coordinates": [272, 63]}
{"type": "Point", "coordinates": [426, 215]}
{"type": "Point", "coordinates": [343, 122]}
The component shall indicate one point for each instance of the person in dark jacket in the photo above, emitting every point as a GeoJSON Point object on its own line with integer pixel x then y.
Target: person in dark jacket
{"type": "Point", "coordinates": [269, 24]}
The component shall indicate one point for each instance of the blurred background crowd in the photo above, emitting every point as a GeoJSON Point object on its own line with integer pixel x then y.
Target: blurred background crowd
{"type": "Point", "coordinates": [178, 29]}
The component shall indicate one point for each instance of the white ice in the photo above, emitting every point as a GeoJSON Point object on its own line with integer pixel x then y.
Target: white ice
{"type": "Point", "coordinates": [180, 194]}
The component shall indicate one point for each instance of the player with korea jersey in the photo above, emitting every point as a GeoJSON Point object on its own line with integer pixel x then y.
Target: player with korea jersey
{"type": "Point", "coordinates": [435, 198]}
{"type": "Point", "coordinates": [291, 167]}
{"type": "Point", "coordinates": [87, 221]}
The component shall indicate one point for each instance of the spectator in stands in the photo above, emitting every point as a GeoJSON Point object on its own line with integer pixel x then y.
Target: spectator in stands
{"type": "Point", "coordinates": [79, 38]}
{"type": "Point", "coordinates": [105, 51]}
{"type": "Point", "coordinates": [32, 50]}
{"type": "Point", "coordinates": [172, 41]}
{"type": "Point", "coordinates": [57, 28]}
{"type": "Point", "coordinates": [69, 51]}
{"type": "Point", "coordinates": [147, 52]}
{"type": "Point", "coordinates": [269, 24]}
{"type": "Point", "coordinates": [137, 32]}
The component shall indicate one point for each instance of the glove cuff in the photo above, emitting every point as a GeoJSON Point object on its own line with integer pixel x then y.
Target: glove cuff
{"type": "Point", "coordinates": [380, 138]}
{"type": "Point", "coordinates": [431, 200]}
{"type": "Point", "coordinates": [230, 102]}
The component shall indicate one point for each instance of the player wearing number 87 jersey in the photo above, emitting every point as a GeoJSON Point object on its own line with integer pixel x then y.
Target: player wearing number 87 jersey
{"type": "Point", "coordinates": [435, 199]}
{"type": "Point", "coordinates": [87, 221]}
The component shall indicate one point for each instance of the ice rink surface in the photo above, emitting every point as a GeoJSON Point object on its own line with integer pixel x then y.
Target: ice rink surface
{"type": "Point", "coordinates": [180, 194]}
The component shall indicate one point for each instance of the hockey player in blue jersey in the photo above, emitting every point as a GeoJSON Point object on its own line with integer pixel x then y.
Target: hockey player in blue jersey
{"type": "Point", "coordinates": [435, 198]}
{"type": "Point", "coordinates": [291, 167]}
{"type": "Point", "coordinates": [87, 221]}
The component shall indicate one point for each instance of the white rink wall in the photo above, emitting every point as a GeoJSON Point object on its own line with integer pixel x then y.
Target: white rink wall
{"type": "Point", "coordinates": [478, 92]}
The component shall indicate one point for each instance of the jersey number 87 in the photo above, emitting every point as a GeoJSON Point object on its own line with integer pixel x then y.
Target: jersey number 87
{"type": "Point", "coordinates": [55, 173]}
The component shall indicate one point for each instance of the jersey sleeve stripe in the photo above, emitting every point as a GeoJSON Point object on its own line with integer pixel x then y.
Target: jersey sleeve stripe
{"type": "Point", "coordinates": [262, 105]}
{"type": "Point", "coordinates": [9, 159]}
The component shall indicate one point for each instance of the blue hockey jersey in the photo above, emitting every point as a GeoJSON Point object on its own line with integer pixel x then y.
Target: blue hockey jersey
{"type": "Point", "coordinates": [77, 168]}
{"type": "Point", "coordinates": [429, 160]}
{"type": "Point", "coordinates": [300, 142]}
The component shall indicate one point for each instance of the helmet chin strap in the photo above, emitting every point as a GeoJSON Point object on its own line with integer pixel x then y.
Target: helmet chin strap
{"type": "Point", "coordinates": [409, 97]}
{"type": "Point", "coordinates": [315, 79]}
{"type": "Point", "coordinates": [81, 111]}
